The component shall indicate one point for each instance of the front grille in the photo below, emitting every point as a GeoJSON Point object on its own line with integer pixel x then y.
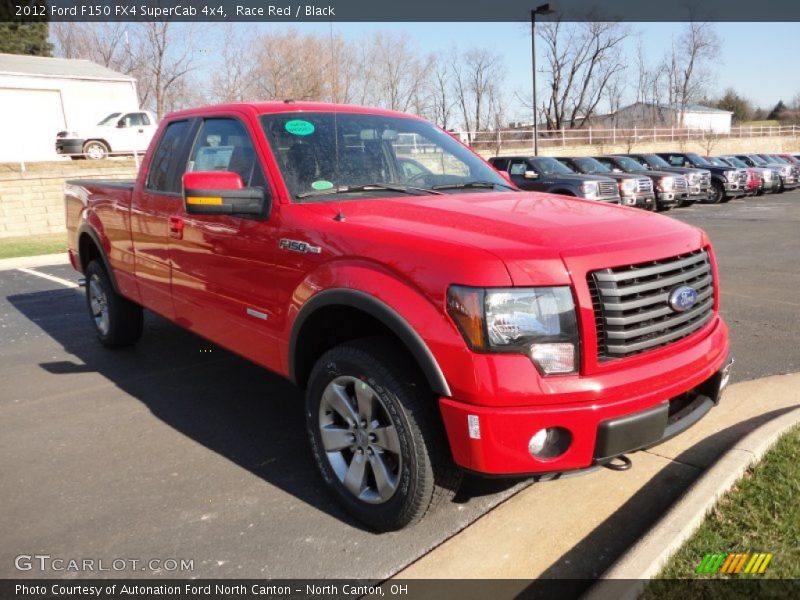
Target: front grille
{"type": "Point", "coordinates": [631, 304]}
{"type": "Point", "coordinates": [680, 184]}
{"type": "Point", "coordinates": [607, 188]}
{"type": "Point", "coordinates": [644, 185]}
{"type": "Point", "coordinates": [705, 179]}
{"type": "Point", "coordinates": [742, 179]}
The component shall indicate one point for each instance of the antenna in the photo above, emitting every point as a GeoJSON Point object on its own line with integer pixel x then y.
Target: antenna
{"type": "Point", "coordinates": [334, 92]}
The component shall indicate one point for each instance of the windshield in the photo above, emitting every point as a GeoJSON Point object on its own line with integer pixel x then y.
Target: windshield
{"type": "Point", "coordinates": [110, 119]}
{"type": "Point", "coordinates": [717, 162]}
{"type": "Point", "coordinates": [735, 162]}
{"type": "Point", "coordinates": [550, 166]}
{"type": "Point", "coordinates": [757, 159]}
{"type": "Point", "coordinates": [698, 160]}
{"type": "Point", "coordinates": [629, 164]}
{"type": "Point", "coordinates": [590, 165]}
{"type": "Point", "coordinates": [324, 155]}
{"type": "Point", "coordinates": [656, 162]}
{"type": "Point", "coordinates": [777, 159]}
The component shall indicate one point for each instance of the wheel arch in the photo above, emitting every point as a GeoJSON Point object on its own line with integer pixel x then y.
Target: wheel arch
{"type": "Point", "coordinates": [91, 248]}
{"type": "Point", "coordinates": [366, 314]}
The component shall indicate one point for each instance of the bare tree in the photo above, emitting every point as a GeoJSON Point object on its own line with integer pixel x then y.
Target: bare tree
{"type": "Point", "coordinates": [689, 65]}
{"type": "Point", "coordinates": [582, 60]}
{"type": "Point", "coordinates": [233, 76]}
{"type": "Point", "coordinates": [476, 82]}
{"type": "Point", "coordinates": [442, 97]}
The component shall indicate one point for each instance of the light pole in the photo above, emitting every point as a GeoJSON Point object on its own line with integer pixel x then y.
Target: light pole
{"type": "Point", "coordinates": [544, 9]}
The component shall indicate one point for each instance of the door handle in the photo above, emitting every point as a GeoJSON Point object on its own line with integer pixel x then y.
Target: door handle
{"type": "Point", "coordinates": [141, 131]}
{"type": "Point", "coordinates": [176, 227]}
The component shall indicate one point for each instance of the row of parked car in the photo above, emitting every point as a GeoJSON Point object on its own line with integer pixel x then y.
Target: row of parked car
{"type": "Point", "coordinates": [654, 181]}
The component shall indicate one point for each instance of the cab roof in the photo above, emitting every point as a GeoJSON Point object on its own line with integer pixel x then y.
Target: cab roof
{"type": "Point", "coordinates": [271, 107]}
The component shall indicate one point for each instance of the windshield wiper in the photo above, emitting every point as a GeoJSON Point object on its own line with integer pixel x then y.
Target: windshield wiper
{"type": "Point", "coordinates": [344, 189]}
{"type": "Point", "coordinates": [471, 184]}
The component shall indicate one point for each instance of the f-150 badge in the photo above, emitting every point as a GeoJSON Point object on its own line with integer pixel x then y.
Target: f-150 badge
{"type": "Point", "coordinates": [298, 246]}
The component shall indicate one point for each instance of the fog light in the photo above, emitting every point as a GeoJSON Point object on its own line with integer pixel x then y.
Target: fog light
{"type": "Point", "coordinates": [549, 442]}
{"type": "Point", "coordinates": [554, 358]}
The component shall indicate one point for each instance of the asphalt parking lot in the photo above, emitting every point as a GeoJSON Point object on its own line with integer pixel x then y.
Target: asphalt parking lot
{"type": "Point", "coordinates": [177, 449]}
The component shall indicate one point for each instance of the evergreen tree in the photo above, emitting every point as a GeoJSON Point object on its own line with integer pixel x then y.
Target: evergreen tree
{"type": "Point", "coordinates": [776, 112]}
{"type": "Point", "coordinates": [24, 35]}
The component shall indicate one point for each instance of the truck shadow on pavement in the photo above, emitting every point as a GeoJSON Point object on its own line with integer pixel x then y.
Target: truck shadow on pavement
{"type": "Point", "coordinates": [229, 405]}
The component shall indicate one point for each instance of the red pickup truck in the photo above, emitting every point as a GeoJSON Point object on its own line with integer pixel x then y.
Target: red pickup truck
{"type": "Point", "coordinates": [439, 319]}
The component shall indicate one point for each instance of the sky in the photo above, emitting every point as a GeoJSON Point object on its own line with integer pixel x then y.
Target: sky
{"type": "Point", "coordinates": [758, 60]}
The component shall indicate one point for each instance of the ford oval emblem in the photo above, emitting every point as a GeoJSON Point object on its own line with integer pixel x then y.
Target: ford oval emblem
{"type": "Point", "coordinates": [682, 298]}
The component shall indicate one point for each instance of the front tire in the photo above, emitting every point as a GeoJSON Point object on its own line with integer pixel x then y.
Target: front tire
{"type": "Point", "coordinates": [717, 193]}
{"type": "Point", "coordinates": [376, 435]}
{"type": "Point", "coordinates": [118, 322]}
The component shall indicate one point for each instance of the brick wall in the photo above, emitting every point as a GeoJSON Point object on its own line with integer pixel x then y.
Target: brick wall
{"type": "Point", "coordinates": [32, 201]}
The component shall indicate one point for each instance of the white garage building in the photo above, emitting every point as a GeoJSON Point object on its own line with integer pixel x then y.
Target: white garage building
{"type": "Point", "coordinates": [643, 114]}
{"type": "Point", "coordinates": [42, 96]}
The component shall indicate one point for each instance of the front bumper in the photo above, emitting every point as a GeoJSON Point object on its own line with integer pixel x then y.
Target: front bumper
{"type": "Point", "coordinates": [645, 201]}
{"type": "Point", "coordinates": [671, 198]}
{"type": "Point", "coordinates": [625, 420]}
{"type": "Point", "coordinates": [734, 189]}
{"type": "Point", "coordinates": [698, 194]}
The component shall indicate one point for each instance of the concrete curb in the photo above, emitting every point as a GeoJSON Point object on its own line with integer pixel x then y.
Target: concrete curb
{"type": "Point", "coordinates": [26, 262]}
{"type": "Point", "coordinates": [647, 557]}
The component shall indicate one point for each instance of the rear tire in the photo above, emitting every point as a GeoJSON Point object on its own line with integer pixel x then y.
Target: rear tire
{"type": "Point", "coordinates": [377, 436]}
{"type": "Point", "coordinates": [118, 322]}
{"type": "Point", "coordinates": [95, 150]}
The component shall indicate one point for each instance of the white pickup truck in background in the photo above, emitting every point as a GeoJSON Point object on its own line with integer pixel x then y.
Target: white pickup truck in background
{"type": "Point", "coordinates": [117, 134]}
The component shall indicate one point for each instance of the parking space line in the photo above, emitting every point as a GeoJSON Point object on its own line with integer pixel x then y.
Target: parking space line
{"type": "Point", "coordinates": [53, 278]}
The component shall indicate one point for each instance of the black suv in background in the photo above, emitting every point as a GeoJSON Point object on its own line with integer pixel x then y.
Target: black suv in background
{"type": "Point", "coordinates": [633, 190]}
{"type": "Point", "coordinates": [726, 182]}
{"type": "Point", "coordinates": [670, 188]}
{"type": "Point", "coordinates": [546, 174]}
{"type": "Point", "coordinates": [698, 180]}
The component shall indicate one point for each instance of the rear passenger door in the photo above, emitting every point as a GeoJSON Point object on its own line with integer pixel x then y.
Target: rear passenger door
{"type": "Point", "coordinates": [156, 204]}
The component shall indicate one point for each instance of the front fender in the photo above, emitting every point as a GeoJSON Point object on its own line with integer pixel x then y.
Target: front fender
{"type": "Point", "coordinates": [420, 320]}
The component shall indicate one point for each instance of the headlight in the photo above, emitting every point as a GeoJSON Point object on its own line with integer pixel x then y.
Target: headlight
{"type": "Point", "coordinates": [538, 322]}
{"type": "Point", "coordinates": [627, 186]}
{"type": "Point", "coordinates": [666, 183]}
{"type": "Point", "coordinates": [694, 178]}
{"type": "Point", "coordinates": [589, 188]}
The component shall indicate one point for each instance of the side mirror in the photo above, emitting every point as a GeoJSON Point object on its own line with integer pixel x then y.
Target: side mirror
{"type": "Point", "coordinates": [221, 193]}
{"type": "Point", "coordinates": [531, 175]}
{"type": "Point", "coordinates": [121, 124]}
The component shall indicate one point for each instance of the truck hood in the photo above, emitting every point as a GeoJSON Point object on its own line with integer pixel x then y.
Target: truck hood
{"type": "Point", "coordinates": [522, 228]}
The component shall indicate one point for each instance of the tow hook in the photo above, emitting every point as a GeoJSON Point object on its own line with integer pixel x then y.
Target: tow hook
{"type": "Point", "coordinates": [619, 463]}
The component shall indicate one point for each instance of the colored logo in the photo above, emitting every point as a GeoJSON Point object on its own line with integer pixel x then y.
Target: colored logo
{"type": "Point", "coordinates": [683, 298]}
{"type": "Point", "coordinates": [299, 127]}
{"type": "Point", "coordinates": [734, 564]}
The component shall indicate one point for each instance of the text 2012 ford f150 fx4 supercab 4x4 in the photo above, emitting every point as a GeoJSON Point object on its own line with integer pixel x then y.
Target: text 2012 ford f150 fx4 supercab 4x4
{"type": "Point", "coordinates": [439, 319]}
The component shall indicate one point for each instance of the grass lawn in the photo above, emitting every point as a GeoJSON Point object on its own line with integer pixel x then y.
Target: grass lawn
{"type": "Point", "coordinates": [760, 514]}
{"type": "Point", "coordinates": [33, 245]}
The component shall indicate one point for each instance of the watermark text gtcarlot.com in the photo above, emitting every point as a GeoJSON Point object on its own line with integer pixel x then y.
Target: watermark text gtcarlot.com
{"type": "Point", "coordinates": [48, 563]}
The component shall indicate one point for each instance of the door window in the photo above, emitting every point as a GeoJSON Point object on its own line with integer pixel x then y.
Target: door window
{"type": "Point", "coordinates": [518, 167]}
{"type": "Point", "coordinates": [163, 175]}
{"type": "Point", "coordinates": [224, 145]}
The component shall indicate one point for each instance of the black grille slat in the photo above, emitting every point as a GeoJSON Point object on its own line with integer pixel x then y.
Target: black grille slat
{"type": "Point", "coordinates": [631, 307]}
{"type": "Point", "coordinates": [608, 188]}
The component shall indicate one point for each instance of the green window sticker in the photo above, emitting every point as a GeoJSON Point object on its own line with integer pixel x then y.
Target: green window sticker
{"type": "Point", "coordinates": [322, 185]}
{"type": "Point", "coordinates": [299, 127]}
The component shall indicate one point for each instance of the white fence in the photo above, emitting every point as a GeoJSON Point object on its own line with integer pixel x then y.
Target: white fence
{"type": "Point", "coordinates": [523, 137]}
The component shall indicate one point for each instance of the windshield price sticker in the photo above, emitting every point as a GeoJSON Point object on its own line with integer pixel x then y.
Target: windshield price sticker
{"type": "Point", "coordinates": [299, 127]}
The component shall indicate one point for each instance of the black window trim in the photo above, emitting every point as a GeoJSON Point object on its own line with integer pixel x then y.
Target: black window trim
{"type": "Point", "coordinates": [182, 152]}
